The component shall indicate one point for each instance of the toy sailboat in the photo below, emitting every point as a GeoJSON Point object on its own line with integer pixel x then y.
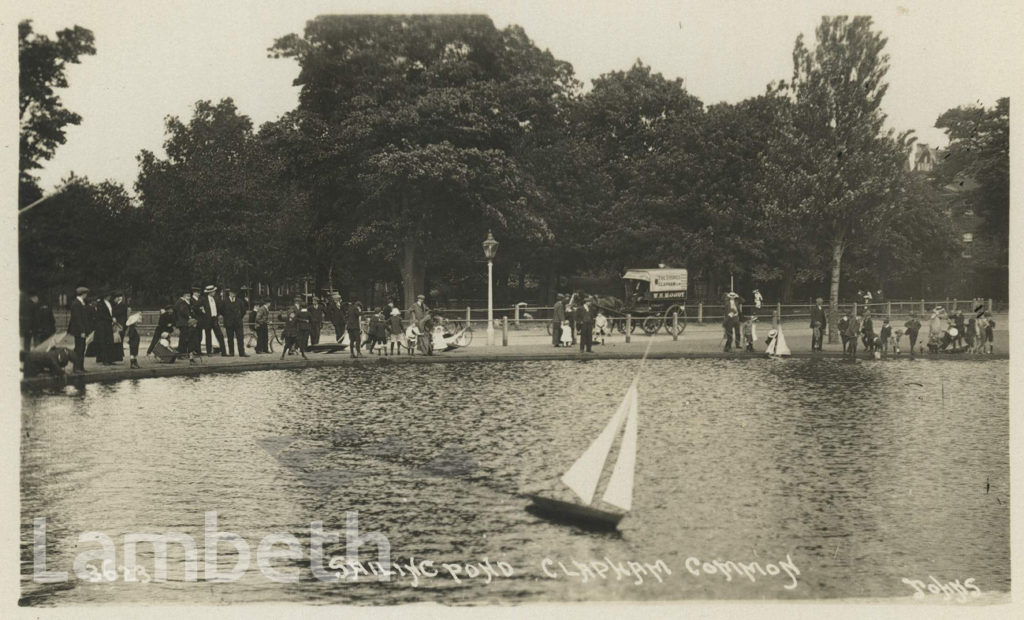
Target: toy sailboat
{"type": "Point", "coordinates": [777, 344]}
{"type": "Point", "coordinates": [585, 474]}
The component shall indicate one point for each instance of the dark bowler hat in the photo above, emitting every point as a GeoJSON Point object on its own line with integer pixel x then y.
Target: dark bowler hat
{"type": "Point", "coordinates": [117, 293]}
{"type": "Point", "coordinates": [196, 288]}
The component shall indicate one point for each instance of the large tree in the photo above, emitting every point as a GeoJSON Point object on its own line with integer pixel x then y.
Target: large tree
{"type": "Point", "coordinates": [681, 178]}
{"type": "Point", "coordinates": [84, 235]}
{"type": "Point", "coordinates": [832, 166]}
{"type": "Point", "coordinates": [215, 203]}
{"type": "Point", "coordinates": [426, 119]}
{"type": "Point", "coordinates": [42, 64]}
{"type": "Point", "coordinates": [979, 160]}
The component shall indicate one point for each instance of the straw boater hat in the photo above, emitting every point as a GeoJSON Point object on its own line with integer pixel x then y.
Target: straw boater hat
{"type": "Point", "coordinates": [732, 295]}
{"type": "Point", "coordinates": [421, 296]}
{"type": "Point", "coordinates": [209, 288]}
{"type": "Point", "coordinates": [772, 333]}
{"type": "Point", "coordinates": [818, 300]}
{"type": "Point", "coordinates": [953, 332]}
{"type": "Point", "coordinates": [81, 290]}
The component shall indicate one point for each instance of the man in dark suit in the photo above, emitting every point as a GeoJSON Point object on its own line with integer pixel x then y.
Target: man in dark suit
{"type": "Point", "coordinates": [79, 326]}
{"type": "Point", "coordinates": [316, 320]}
{"type": "Point", "coordinates": [819, 322]}
{"type": "Point", "coordinates": [867, 329]}
{"type": "Point", "coordinates": [734, 304]}
{"type": "Point", "coordinates": [211, 313]}
{"type": "Point", "coordinates": [584, 318]}
{"type": "Point", "coordinates": [234, 320]}
{"type": "Point", "coordinates": [336, 315]}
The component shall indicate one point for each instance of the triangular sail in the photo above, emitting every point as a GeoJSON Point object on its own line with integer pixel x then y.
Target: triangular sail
{"type": "Point", "coordinates": [585, 473]}
{"type": "Point", "coordinates": [620, 487]}
{"type": "Point", "coordinates": [780, 344]}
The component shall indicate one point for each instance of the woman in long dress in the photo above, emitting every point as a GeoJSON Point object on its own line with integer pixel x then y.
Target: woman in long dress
{"type": "Point", "coordinates": [104, 331]}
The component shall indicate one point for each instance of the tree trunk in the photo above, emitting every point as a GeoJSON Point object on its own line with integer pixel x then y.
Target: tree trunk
{"type": "Point", "coordinates": [413, 271]}
{"type": "Point", "coordinates": [833, 294]}
{"type": "Point", "coordinates": [788, 274]}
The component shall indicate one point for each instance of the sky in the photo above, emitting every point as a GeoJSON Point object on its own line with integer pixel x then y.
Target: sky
{"type": "Point", "coordinates": [156, 59]}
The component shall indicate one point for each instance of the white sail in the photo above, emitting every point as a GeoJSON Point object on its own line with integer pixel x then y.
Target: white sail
{"type": "Point", "coordinates": [778, 346]}
{"type": "Point", "coordinates": [585, 473]}
{"type": "Point", "coordinates": [620, 486]}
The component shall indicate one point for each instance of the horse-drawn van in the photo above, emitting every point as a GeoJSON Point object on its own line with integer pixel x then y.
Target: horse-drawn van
{"type": "Point", "coordinates": [652, 297]}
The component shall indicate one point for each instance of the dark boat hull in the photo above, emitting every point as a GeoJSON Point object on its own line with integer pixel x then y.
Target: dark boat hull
{"type": "Point", "coordinates": [578, 514]}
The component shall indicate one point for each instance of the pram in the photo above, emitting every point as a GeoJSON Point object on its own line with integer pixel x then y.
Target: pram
{"type": "Point", "coordinates": [167, 355]}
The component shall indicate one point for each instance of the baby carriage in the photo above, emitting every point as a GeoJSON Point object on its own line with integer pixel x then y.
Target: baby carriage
{"type": "Point", "coordinates": [165, 354]}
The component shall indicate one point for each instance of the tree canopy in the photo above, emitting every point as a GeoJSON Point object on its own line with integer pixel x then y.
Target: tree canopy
{"type": "Point", "coordinates": [42, 64]}
{"type": "Point", "coordinates": [415, 135]}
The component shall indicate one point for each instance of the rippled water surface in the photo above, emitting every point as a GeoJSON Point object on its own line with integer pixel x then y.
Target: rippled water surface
{"type": "Point", "coordinates": [863, 474]}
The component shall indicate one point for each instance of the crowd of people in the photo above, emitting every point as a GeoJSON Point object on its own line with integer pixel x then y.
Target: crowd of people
{"type": "Point", "coordinates": [215, 318]}
{"type": "Point", "coordinates": [948, 332]}
{"type": "Point", "coordinates": [573, 321]}
{"type": "Point", "coordinates": [101, 323]}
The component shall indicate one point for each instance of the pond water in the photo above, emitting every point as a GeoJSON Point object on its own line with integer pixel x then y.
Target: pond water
{"type": "Point", "coordinates": [858, 475]}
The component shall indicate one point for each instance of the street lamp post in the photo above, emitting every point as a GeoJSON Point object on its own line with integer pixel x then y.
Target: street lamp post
{"type": "Point", "coordinates": [490, 249]}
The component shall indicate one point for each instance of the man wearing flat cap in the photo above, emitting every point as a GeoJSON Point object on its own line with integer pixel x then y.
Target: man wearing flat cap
{"type": "Point", "coordinates": [80, 326]}
{"type": "Point", "coordinates": [418, 311]}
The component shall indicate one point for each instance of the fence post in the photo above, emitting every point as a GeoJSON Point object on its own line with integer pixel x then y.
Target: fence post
{"type": "Point", "coordinates": [675, 326]}
{"type": "Point", "coordinates": [954, 304]}
{"type": "Point", "coordinates": [517, 315]}
{"type": "Point", "coordinates": [990, 304]}
{"type": "Point", "coordinates": [776, 318]}
{"type": "Point", "coordinates": [778, 311]}
{"type": "Point", "coordinates": [888, 309]}
{"type": "Point", "coordinates": [504, 331]}
{"type": "Point", "coordinates": [700, 312]}
{"type": "Point", "coordinates": [854, 308]}
{"type": "Point", "coordinates": [629, 326]}
{"type": "Point", "coordinates": [922, 306]}
{"type": "Point", "coordinates": [947, 306]}
{"type": "Point", "coordinates": [469, 316]}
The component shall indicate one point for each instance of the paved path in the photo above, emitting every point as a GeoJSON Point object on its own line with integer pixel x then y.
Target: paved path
{"type": "Point", "coordinates": [698, 341]}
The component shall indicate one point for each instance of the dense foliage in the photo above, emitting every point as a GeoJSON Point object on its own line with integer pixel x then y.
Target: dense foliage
{"type": "Point", "coordinates": [415, 135]}
{"type": "Point", "coordinates": [41, 64]}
